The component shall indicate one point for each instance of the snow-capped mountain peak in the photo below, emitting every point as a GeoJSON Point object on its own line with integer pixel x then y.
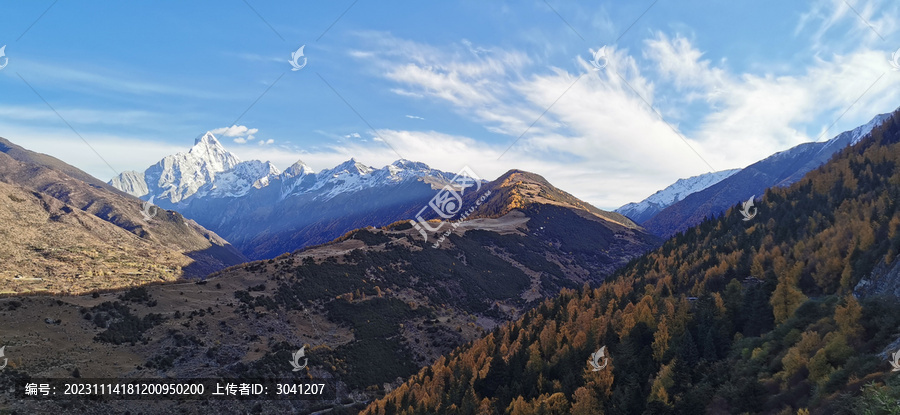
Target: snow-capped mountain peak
{"type": "Point", "coordinates": [130, 182]}
{"type": "Point", "coordinates": [207, 138]}
{"type": "Point", "coordinates": [179, 176]}
{"type": "Point", "coordinates": [298, 169]}
{"type": "Point", "coordinates": [208, 149]}
{"type": "Point", "coordinates": [860, 132]}
{"type": "Point", "coordinates": [352, 167]}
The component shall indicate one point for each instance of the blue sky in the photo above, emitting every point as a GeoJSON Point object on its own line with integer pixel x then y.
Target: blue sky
{"type": "Point", "coordinates": [684, 87]}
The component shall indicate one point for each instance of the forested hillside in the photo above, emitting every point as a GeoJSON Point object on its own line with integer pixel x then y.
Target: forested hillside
{"type": "Point", "coordinates": [731, 316]}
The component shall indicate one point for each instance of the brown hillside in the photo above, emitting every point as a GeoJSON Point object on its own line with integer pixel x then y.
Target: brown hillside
{"type": "Point", "coordinates": [66, 232]}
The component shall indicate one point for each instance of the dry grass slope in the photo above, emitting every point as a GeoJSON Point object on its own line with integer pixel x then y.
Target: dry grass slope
{"type": "Point", "coordinates": [64, 232]}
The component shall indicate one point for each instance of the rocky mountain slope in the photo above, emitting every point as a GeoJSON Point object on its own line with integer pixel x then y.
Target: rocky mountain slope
{"type": "Point", "coordinates": [67, 232]}
{"type": "Point", "coordinates": [519, 189]}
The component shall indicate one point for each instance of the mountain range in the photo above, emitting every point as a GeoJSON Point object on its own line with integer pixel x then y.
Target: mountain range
{"type": "Point", "coordinates": [265, 212]}
{"type": "Point", "coordinates": [689, 201]}
{"type": "Point", "coordinates": [499, 314]}
{"type": "Point", "coordinates": [372, 306]}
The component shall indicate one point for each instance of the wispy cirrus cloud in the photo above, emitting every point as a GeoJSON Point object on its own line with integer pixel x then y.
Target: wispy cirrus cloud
{"type": "Point", "coordinates": [610, 120]}
{"type": "Point", "coordinates": [21, 113]}
{"type": "Point", "coordinates": [64, 77]}
{"type": "Point", "coordinates": [595, 122]}
{"type": "Point", "coordinates": [859, 23]}
{"type": "Point", "coordinates": [753, 115]}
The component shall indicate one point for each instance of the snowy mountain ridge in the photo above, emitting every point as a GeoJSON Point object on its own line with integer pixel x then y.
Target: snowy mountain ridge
{"type": "Point", "coordinates": [238, 181]}
{"type": "Point", "coordinates": [208, 170]}
{"type": "Point", "coordinates": [860, 132]}
{"type": "Point", "coordinates": [645, 209]}
{"type": "Point", "coordinates": [353, 176]}
{"type": "Point", "coordinates": [808, 155]}
{"type": "Point", "coordinates": [778, 170]}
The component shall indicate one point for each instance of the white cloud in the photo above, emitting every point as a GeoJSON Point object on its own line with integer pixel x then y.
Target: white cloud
{"type": "Point", "coordinates": [678, 61]}
{"type": "Point", "coordinates": [591, 129]}
{"type": "Point", "coordinates": [406, 93]}
{"type": "Point", "coordinates": [414, 117]}
{"type": "Point", "coordinates": [235, 131]}
{"type": "Point", "coordinates": [757, 115]}
{"type": "Point", "coordinates": [241, 133]}
{"type": "Point", "coordinates": [475, 50]}
{"type": "Point", "coordinates": [253, 57]}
